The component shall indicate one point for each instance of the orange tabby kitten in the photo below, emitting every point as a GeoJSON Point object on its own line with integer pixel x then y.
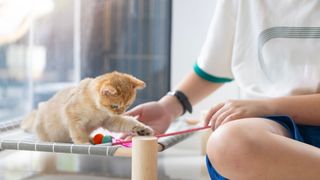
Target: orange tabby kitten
{"type": "Point", "coordinates": [73, 113]}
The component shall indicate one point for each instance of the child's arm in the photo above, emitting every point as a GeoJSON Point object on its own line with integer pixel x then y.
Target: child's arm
{"type": "Point", "coordinates": [195, 88]}
{"type": "Point", "coordinates": [159, 114]}
{"type": "Point", "coordinates": [304, 109]}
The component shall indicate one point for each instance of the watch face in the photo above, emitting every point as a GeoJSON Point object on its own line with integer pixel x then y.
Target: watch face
{"type": "Point", "coordinates": [183, 99]}
{"type": "Point", "coordinates": [172, 93]}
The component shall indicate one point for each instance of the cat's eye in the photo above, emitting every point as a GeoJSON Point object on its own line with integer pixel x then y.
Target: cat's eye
{"type": "Point", "coordinates": [114, 106]}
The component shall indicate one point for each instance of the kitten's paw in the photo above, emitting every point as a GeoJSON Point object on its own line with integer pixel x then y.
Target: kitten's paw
{"type": "Point", "coordinates": [142, 130]}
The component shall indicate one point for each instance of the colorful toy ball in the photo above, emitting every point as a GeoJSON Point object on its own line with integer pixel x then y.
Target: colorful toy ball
{"type": "Point", "coordinates": [107, 139]}
{"type": "Point", "coordinates": [97, 139]}
{"type": "Point", "coordinates": [100, 138]}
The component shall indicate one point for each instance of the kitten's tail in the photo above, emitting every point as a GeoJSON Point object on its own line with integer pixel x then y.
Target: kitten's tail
{"type": "Point", "coordinates": [27, 123]}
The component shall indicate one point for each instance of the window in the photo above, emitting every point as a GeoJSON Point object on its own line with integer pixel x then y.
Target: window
{"type": "Point", "coordinates": [52, 44]}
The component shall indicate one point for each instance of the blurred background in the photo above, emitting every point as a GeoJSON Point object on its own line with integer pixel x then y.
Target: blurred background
{"type": "Point", "coordinates": [48, 45]}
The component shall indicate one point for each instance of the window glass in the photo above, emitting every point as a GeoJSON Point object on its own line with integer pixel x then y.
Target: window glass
{"type": "Point", "coordinates": [48, 45]}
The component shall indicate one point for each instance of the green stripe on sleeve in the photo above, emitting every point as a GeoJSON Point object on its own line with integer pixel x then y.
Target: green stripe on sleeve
{"type": "Point", "coordinates": [209, 77]}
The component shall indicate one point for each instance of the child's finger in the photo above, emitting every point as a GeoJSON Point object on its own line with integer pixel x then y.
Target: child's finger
{"type": "Point", "coordinates": [211, 112]}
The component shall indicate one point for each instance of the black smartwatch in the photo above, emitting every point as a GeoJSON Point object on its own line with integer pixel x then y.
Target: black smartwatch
{"type": "Point", "coordinates": [183, 99]}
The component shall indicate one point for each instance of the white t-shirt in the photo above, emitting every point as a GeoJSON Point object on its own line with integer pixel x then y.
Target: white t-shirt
{"type": "Point", "coordinates": [271, 48]}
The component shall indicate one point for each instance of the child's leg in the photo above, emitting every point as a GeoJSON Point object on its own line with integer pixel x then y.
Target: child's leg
{"type": "Point", "coordinates": [257, 148]}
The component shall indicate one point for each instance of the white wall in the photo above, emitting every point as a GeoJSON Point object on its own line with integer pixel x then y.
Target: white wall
{"type": "Point", "coordinates": [190, 21]}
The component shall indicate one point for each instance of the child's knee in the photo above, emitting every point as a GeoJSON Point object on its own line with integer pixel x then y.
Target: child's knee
{"type": "Point", "coordinates": [231, 147]}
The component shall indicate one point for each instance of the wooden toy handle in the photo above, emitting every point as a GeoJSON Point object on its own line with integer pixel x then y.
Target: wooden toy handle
{"type": "Point", "coordinates": [144, 158]}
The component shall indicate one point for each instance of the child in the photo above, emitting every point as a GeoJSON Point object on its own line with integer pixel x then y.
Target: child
{"type": "Point", "coordinates": [270, 48]}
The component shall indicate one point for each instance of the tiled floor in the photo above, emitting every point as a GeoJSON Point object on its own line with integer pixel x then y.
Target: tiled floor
{"type": "Point", "coordinates": [181, 162]}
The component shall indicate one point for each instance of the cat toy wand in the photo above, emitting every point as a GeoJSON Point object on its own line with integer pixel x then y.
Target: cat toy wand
{"type": "Point", "coordinates": [164, 135]}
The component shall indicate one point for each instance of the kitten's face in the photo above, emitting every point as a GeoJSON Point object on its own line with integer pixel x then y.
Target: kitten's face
{"type": "Point", "coordinates": [118, 91]}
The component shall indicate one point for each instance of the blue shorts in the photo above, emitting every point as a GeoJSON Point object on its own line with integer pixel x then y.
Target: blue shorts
{"type": "Point", "coordinates": [303, 133]}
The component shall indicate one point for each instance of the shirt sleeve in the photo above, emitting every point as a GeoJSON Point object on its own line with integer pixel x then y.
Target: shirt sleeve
{"type": "Point", "coordinates": [214, 61]}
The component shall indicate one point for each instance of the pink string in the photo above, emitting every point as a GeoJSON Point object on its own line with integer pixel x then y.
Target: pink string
{"type": "Point", "coordinates": [129, 142]}
{"type": "Point", "coordinates": [119, 141]}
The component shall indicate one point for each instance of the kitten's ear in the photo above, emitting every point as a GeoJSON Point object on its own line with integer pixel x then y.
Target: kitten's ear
{"type": "Point", "coordinates": [137, 83]}
{"type": "Point", "coordinates": [108, 91]}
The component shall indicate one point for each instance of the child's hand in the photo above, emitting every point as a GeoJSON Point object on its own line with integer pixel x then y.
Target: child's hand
{"type": "Point", "coordinates": [234, 110]}
{"type": "Point", "coordinates": [152, 114]}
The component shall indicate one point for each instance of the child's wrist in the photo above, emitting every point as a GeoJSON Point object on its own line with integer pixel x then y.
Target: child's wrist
{"type": "Point", "coordinates": [269, 107]}
{"type": "Point", "coordinates": [172, 106]}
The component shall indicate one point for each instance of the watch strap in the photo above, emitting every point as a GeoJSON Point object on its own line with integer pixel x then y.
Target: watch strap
{"type": "Point", "coordinates": [183, 99]}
